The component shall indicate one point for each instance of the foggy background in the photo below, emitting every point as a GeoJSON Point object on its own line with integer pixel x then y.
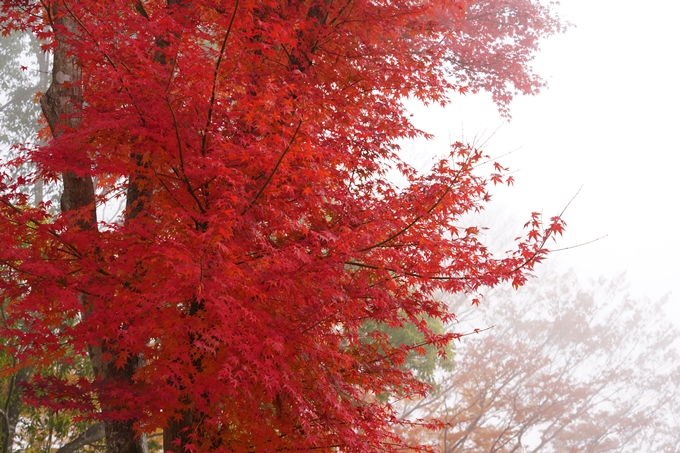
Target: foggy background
{"type": "Point", "coordinates": [607, 123]}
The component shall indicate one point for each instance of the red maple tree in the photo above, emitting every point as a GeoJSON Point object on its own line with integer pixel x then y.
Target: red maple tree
{"type": "Point", "coordinates": [251, 141]}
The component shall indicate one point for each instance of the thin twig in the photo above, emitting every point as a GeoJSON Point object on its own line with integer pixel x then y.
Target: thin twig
{"type": "Point", "coordinates": [214, 84]}
{"type": "Point", "coordinates": [276, 167]}
{"type": "Point", "coordinates": [578, 245]}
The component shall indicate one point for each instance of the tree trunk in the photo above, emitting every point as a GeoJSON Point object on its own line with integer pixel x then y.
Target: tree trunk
{"type": "Point", "coordinates": [177, 434]}
{"type": "Point", "coordinates": [90, 436]}
{"type": "Point", "coordinates": [61, 104]}
{"type": "Point", "coordinates": [13, 406]}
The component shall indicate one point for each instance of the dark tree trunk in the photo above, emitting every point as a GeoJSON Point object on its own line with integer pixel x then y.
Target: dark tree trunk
{"type": "Point", "coordinates": [12, 409]}
{"type": "Point", "coordinates": [177, 434]}
{"type": "Point", "coordinates": [61, 105]}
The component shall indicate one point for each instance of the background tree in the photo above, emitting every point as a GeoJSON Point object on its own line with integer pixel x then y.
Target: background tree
{"type": "Point", "coordinates": [24, 74]}
{"type": "Point", "coordinates": [565, 368]}
{"type": "Point", "coordinates": [229, 302]}
{"type": "Point", "coordinates": [24, 71]}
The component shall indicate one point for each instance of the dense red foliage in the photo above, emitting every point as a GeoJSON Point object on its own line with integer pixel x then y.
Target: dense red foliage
{"type": "Point", "coordinates": [259, 133]}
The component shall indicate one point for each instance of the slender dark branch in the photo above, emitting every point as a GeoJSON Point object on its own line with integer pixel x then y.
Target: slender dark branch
{"type": "Point", "coordinates": [177, 136]}
{"type": "Point", "coordinates": [407, 227]}
{"type": "Point", "coordinates": [276, 167]}
{"type": "Point", "coordinates": [139, 7]}
{"type": "Point", "coordinates": [578, 245]}
{"type": "Point", "coordinates": [172, 195]}
{"type": "Point", "coordinates": [540, 248]}
{"type": "Point", "coordinates": [405, 273]}
{"type": "Point", "coordinates": [417, 219]}
{"type": "Point", "coordinates": [214, 84]}
{"type": "Point", "coordinates": [77, 19]}
{"type": "Point", "coordinates": [570, 201]}
{"type": "Point", "coordinates": [110, 61]}
{"type": "Point", "coordinates": [52, 232]}
{"type": "Point", "coordinates": [182, 175]}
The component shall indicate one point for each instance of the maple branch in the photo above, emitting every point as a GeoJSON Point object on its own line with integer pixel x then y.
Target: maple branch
{"type": "Point", "coordinates": [214, 84]}
{"type": "Point", "coordinates": [572, 199]}
{"type": "Point", "coordinates": [547, 236]}
{"type": "Point", "coordinates": [77, 19]}
{"type": "Point", "coordinates": [172, 195]}
{"type": "Point", "coordinates": [139, 7]}
{"type": "Point", "coordinates": [177, 137]}
{"type": "Point", "coordinates": [406, 273]}
{"type": "Point", "coordinates": [579, 245]}
{"type": "Point", "coordinates": [341, 10]}
{"type": "Point", "coordinates": [110, 60]}
{"type": "Point", "coordinates": [432, 208]}
{"type": "Point", "coordinates": [181, 159]}
{"type": "Point", "coordinates": [276, 167]}
{"type": "Point", "coordinates": [34, 227]}
{"type": "Point", "coordinates": [407, 227]}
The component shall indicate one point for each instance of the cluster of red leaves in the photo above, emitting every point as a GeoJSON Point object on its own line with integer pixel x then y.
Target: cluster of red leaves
{"type": "Point", "coordinates": [262, 132]}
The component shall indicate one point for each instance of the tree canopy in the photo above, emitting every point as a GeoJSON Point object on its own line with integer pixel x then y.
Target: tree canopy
{"type": "Point", "coordinates": [251, 142]}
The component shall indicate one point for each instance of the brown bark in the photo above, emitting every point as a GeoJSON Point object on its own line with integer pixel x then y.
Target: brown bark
{"type": "Point", "coordinates": [176, 434]}
{"type": "Point", "coordinates": [89, 436]}
{"type": "Point", "coordinates": [61, 106]}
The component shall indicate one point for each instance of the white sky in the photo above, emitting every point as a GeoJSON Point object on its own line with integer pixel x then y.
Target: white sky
{"type": "Point", "coordinates": [608, 122]}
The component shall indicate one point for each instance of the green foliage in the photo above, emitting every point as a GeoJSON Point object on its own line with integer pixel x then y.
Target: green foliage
{"type": "Point", "coordinates": [423, 359]}
{"type": "Point", "coordinates": [154, 446]}
{"type": "Point", "coordinates": [39, 429]}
